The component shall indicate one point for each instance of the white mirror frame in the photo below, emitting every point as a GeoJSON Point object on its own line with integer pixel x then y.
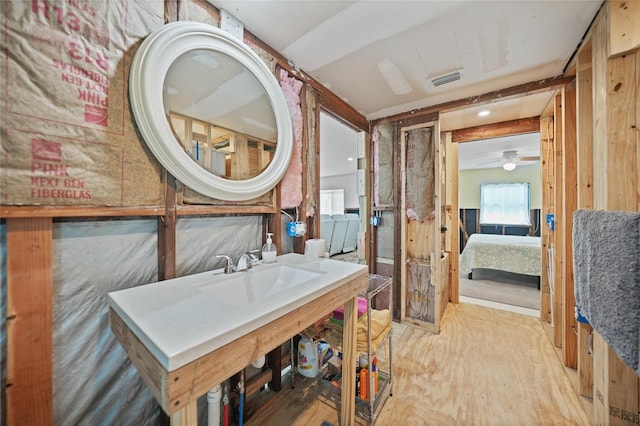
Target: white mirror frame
{"type": "Point", "coordinates": [146, 81]}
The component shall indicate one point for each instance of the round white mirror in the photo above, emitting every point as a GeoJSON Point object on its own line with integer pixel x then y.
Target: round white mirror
{"type": "Point", "coordinates": [210, 111]}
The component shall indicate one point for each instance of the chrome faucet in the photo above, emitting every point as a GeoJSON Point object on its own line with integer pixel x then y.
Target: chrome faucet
{"type": "Point", "coordinates": [246, 261]}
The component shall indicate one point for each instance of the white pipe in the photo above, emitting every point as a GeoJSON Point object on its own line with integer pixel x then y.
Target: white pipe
{"type": "Point", "coordinates": [259, 362]}
{"type": "Point", "coordinates": [213, 406]}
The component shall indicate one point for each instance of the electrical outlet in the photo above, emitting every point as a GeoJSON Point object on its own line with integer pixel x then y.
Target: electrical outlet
{"type": "Point", "coordinates": [550, 221]}
{"type": "Point", "coordinates": [296, 229]}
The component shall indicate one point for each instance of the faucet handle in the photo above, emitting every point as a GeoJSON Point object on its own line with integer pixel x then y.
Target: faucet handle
{"type": "Point", "coordinates": [253, 254]}
{"type": "Point", "coordinates": [249, 259]}
{"type": "Point", "coordinates": [229, 266]}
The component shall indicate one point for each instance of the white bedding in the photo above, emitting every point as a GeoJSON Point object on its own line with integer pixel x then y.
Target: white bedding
{"type": "Point", "coordinates": [511, 253]}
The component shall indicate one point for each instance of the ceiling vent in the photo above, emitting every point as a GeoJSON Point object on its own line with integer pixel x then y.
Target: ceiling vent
{"type": "Point", "coordinates": [447, 78]}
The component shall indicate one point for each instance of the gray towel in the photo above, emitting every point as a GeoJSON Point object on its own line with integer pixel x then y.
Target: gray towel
{"type": "Point", "coordinates": [606, 268]}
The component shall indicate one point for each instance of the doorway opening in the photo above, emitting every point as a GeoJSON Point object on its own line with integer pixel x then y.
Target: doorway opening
{"type": "Point", "coordinates": [339, 189]}
{"type": "Point", "coordinates": [500, 202]}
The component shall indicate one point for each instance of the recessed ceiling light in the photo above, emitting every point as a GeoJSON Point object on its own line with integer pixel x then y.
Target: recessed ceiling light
{"type": "Point", "coordinates": [349, 158]}
{"type": "Point", "coordinates": [484, 113]}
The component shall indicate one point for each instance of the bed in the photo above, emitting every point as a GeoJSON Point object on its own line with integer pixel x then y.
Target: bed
{"type": "Point", "coordinates": [510, 253]}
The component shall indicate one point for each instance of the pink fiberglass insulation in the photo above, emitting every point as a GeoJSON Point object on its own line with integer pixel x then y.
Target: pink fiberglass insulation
{"type": "Point", "coordinates": [291, 189]}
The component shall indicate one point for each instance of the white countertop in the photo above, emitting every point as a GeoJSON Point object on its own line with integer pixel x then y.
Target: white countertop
{"type": "Point", "coordinates": [182, 319]}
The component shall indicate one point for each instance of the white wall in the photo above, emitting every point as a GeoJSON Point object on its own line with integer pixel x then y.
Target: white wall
{"type": "Point", "coordinates": [338, 158]}
{"type": "Point", "coordinates": [347, 182]}
{"type": "Point", "coordinates": [469, 182]}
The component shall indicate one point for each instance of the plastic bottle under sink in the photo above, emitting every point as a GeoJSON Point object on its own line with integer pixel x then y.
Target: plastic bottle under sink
{"type": "Point", "coordinates": [307, 357]}
{"type": "Point", "coordinates": [269, 251]}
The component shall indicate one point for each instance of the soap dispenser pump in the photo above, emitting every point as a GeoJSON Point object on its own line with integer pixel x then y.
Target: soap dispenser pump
{"type": "Point", "coordinates": [269, 251]}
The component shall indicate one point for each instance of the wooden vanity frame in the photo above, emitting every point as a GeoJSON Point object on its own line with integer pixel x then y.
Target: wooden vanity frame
{"type": "Point", "coordinates": [177, 391]}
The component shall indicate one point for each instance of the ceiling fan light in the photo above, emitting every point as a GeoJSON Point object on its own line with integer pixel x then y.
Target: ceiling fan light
{"type": "Point", "coordinates": [509, 166]}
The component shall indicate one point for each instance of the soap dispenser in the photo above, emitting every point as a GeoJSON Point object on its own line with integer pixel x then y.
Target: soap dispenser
{"type": "Point", "coordinates": [269, 251]}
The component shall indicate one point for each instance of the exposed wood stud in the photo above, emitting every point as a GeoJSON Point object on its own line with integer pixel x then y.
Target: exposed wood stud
{"type": "Point", "coordinates": [452, 190]}
{"type": "Point", "coordinates": [505, 128]}
{"type": "Point", "coordinates": [167, 231]}
{"type": "Point", "coordinates": [569, 206]}
{"type": "Point", "coordinates": [398, 219]}
{"type": "Point", "coordinates": [624, 34]}
{"type": "Point", "coordinates": [616, 164]}
{"type": "Point", "coordinates": [558, 236]}
{"type": "Point", "coordinates": [547, 170]}
{"type": "Point", "coordinates": [171, 8]}
{"type": "Point", "coordinates": [29, 366]}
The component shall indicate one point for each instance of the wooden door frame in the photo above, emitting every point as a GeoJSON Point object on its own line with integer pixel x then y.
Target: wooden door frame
{"type": "Point", "coordinates": [435, 264]}
{"type": "Point", "coordinates": [363, 163]}
{"type": "Point", "coordinates": [507, 128]}
{"type": "Point", "coordinates": [451, 201]}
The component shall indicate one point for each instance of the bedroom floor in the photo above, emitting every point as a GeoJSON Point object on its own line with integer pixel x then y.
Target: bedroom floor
{"type": "Point", "coordinates": [501, 290]}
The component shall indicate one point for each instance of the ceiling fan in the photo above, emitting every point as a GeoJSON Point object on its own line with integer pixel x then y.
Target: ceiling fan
{"type": "Point", "coordinates": [510, 159]}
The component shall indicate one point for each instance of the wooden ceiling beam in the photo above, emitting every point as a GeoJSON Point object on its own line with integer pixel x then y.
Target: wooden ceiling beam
{"type": "Point", "coordinates": [496, 130]}
{"type": "Point", "coordinates": [520, 90]}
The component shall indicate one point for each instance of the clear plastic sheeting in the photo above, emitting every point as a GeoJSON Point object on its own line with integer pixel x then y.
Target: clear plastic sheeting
{"type": "Point", "coordinates": [94, 382]}
{"type": "Point", "coordinates": [286, 242]}
{"type": "Point", "coordinates": [199, 239]}
{"type": "Point", "coordinates": [386, 236]}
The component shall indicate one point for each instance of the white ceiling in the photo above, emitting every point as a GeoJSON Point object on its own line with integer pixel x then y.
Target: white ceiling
{"type": "Point", "coordinates": [350, 46]}
{"type": "Point", "coordinates": [488, 153]}
{"type": "Point", "coordinates": [497, 44]}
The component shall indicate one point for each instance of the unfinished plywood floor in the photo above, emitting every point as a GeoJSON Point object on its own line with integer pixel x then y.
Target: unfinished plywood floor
{"type": "Point", "coordinates": [486, 367]}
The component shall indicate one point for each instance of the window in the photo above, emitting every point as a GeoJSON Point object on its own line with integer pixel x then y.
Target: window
{"type": "Point", "coordinates": [332, 201]}
{"type": "Point", "coordinates": [504, 203]}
